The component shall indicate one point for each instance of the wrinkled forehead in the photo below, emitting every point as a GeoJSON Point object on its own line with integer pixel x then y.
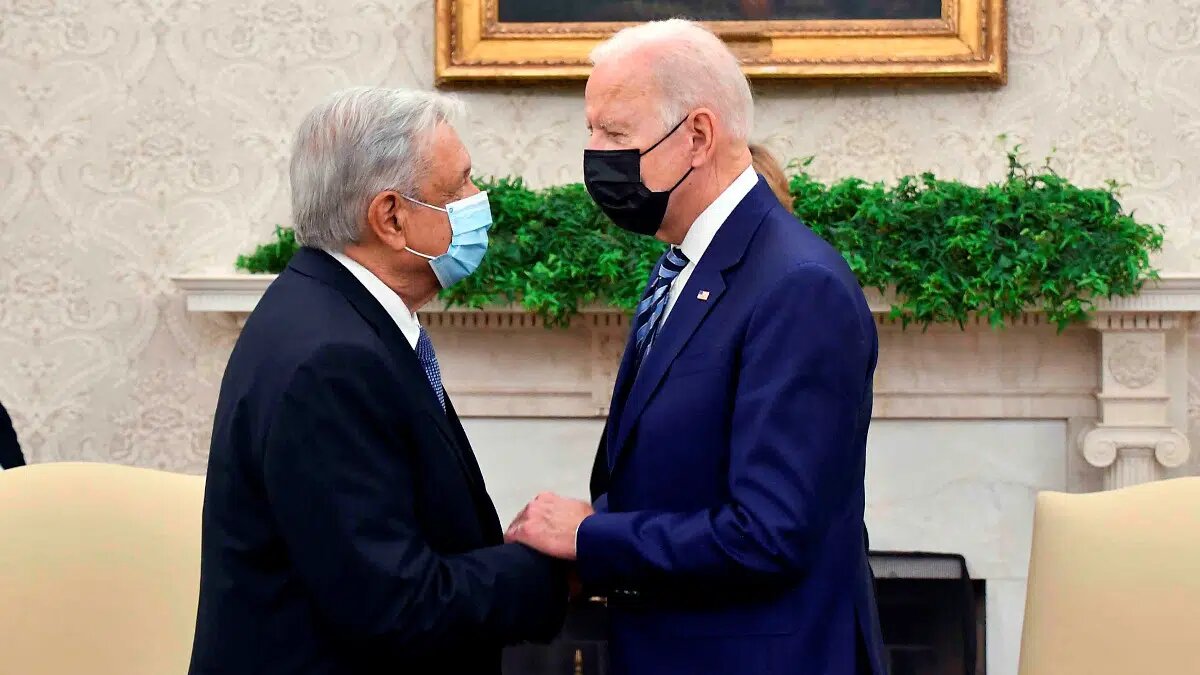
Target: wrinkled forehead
{"type": "Point", "coordinates": [619, 94]}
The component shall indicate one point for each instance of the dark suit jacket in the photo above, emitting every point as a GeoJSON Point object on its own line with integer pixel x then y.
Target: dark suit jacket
{"type": "Point", "coordinates": [730, 497]}
{"type": "Point", "coordinates": [10, 449]}
{"type": "Point", "coordinates": [346, 526]}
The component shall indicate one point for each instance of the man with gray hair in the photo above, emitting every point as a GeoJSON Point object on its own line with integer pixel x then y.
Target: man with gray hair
{"type": "Point", "coordinates": [726, 526]}
{"type": "Point", "coordinates": [346, 525]}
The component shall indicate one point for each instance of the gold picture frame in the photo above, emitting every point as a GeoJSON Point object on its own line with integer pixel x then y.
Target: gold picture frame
{"type": "Point", "coordinates": [968, 42]}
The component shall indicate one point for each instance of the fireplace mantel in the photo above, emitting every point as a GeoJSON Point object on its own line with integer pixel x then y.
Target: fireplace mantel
{"type": "Point", "coordinates": [1121, 380]}
{"type": "Point", "coordinates": [238, 293]}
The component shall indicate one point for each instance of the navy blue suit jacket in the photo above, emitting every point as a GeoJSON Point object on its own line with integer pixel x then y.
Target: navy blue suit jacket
{"type": "Point", "coordinates": [10, 449]}
{"type": "Point", "coordinates": [346, 525]}
{"type": "Point", "coordinates": [729, 532]}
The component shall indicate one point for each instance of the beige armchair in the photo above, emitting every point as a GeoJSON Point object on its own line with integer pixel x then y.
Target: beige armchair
{"type": "Point", "coordinates": [99, 570]}
{"type": "Point", "coordinates": [1114, 582]}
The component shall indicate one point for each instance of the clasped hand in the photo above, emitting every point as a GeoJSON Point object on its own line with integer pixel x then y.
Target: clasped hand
{"type": "Point", "coordinates": [549, 524]}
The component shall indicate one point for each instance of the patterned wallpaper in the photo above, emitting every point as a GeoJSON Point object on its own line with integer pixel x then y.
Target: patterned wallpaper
{"type": "Point", "coordinates": [142, 138]}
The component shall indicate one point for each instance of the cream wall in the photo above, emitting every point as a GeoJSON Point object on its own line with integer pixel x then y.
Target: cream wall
{"type": "Point", "coordinates": [142, 138]}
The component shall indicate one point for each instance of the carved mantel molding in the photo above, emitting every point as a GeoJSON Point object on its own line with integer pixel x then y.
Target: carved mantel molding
{"type": "Point", "coordinates": [1134, 440]}
{"type": "Point", "coordinates": [1122, 377]}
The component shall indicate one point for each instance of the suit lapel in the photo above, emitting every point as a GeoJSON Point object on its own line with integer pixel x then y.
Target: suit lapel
{"type": "Point", "coordinates": [466, 456]}
{"type": "Point", "coordinates": [687, 314]}
{"type": "Point", "coordinates": [321, 266]}
{"type": "Point", "coordinates": [701, 294]}
{"type": "Point", "coordinates": [485, 509]}
{"type": "Point", "coordinates": [625, 375]}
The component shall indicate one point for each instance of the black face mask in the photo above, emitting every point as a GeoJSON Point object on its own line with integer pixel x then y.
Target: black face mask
{"type": "Point", "coordinates": [614, 180]}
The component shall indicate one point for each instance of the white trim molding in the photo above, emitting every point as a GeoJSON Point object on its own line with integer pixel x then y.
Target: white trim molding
{"type": "Point", "coordinates": [239, 293]}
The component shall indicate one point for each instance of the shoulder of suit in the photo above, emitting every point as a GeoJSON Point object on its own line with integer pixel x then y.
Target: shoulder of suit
{"type": "Point", "coordinates": [303, 319]}
{"type": "Point", "coordinates": [787, 239]}
{"type": "Point", "coordinates": [784, 245]}
{"type": "Point", "coordinates": [307, 300]}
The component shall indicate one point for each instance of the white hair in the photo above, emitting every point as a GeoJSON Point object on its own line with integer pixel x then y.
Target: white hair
{"type": "Point", "coordinates": [692, 67]}
{"type": "Point", "coordinates": [354, 145]}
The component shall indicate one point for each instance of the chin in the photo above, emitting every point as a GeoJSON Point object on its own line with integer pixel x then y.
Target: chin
{"type": "Point", "coordinates": [664, 234]}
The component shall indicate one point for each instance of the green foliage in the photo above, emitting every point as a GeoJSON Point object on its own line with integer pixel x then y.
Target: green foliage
{"type": "Point", "coordinates": [271, 257]}
{"type": "Point", "coordinates": [948, 249]}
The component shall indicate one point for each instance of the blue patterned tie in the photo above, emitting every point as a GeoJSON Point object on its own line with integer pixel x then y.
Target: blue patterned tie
{"type": "Point", "coordinates": [429, 362]}
{"type": "Point", "coordinates": [648, 319]}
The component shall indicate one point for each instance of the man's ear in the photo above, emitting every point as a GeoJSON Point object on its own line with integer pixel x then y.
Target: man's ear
{"type": "Point", "coordinates": [702, 135]}
{"type": "Point", "coordinates": [387, 216]}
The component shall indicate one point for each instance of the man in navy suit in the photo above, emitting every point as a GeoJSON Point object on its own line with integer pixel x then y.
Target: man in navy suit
{"type": "Point", "coordinates": [346, 525]}
{"type": "Point", "coordinates": [728, 502]}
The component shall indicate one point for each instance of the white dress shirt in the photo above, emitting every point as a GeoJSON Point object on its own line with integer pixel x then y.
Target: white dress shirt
{"type": "Point", "coordinates": [405, 320]}
{"type": "Point", "coordinates": [705, 227]}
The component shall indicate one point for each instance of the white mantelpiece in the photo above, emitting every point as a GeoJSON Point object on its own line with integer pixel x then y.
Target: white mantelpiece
{"type": "Point", "coordinates": [1121, 379]}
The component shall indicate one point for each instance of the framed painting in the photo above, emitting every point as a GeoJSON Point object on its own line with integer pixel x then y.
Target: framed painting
{"type": "Point", "coordinates": [480, 40]}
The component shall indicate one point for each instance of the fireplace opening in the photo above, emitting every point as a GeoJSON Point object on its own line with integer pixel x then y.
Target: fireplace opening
{"type": "Point", "coordinates": [930, 610]}
{"type": "Point", "coordinates": [931, 613]}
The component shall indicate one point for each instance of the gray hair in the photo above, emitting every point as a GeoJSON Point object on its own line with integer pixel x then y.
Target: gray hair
{"type": "Point", "coordinates": [354, 145]}
{"type": "Point", "coordinates": [692, 67]}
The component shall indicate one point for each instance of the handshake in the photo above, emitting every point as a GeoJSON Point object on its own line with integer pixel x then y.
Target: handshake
{"type": "Point", "coordinates": [549, 524]}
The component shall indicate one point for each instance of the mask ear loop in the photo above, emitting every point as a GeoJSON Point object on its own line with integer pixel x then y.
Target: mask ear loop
{"type": "Point", "coordinates": [421, 255]}
{"type": "Point", "coordinates": [690, 169]}
{"type": "Point", "coordinates": [431, 206]}
{"type": "Point", "coordinates": [660, 141]}
{"type": "Point", "coordinates": [689, 172]}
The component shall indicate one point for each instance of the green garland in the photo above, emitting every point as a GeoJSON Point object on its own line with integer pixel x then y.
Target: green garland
{"type": "Point", "coordinates": [948, 249]}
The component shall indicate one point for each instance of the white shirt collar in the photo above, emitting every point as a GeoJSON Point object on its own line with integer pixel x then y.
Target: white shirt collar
{"type": "Point", "coordinates": [392, 304]}
{"type": "Point", "coordinates": [701, 234]}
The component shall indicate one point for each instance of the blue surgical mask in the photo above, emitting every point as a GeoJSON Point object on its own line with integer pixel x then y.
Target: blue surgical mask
{"type": "Point", "coordinates": [470, 219]}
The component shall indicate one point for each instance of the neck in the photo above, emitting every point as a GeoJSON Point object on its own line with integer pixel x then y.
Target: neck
{"type": "Point", "coordinates": [416, 289]}
{"type": "Point", "coordinates": [707, 185]}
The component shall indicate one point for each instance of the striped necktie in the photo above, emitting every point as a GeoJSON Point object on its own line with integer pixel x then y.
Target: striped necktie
{"type": "Point", "coordinates": [429, 362]}
{"type": "Point", "coordinates": [648, 319]}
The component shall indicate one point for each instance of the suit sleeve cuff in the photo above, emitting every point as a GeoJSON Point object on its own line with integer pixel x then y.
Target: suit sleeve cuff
{"type": "Point", "coordinates": [598, 549]}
